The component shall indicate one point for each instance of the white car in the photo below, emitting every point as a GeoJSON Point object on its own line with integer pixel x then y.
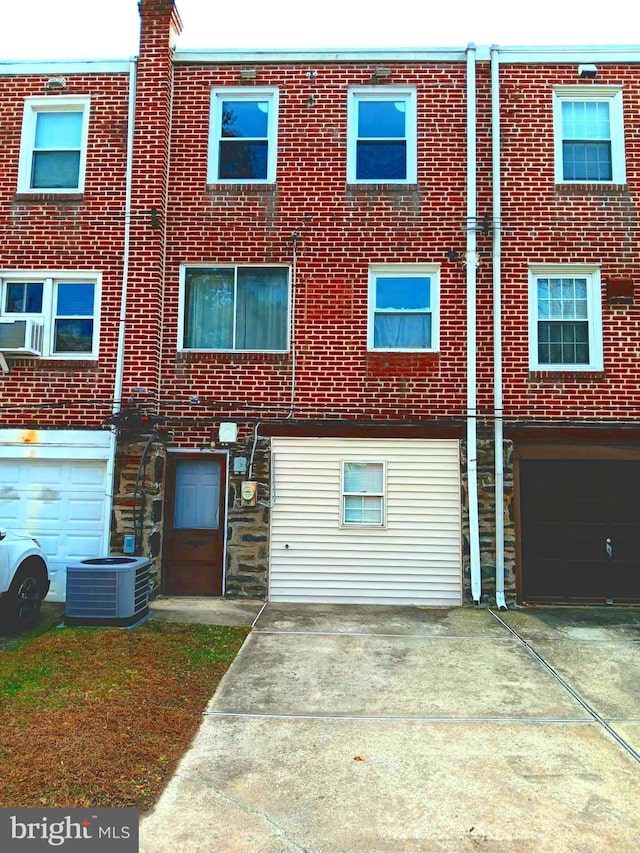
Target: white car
{"type": "Point", "coordinates": [24, 581]}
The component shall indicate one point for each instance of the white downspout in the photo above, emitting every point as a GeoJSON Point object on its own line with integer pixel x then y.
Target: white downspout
{"type": "Point", "coordinates": [497, 327]}
{"type": "Point", "coordinates": [471, 268]}
{"type": "Point", "coordinates": [118, 380]}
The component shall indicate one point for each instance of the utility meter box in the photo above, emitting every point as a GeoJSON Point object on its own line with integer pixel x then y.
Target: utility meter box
{"type": "Point", "coordinates": [249, 493]}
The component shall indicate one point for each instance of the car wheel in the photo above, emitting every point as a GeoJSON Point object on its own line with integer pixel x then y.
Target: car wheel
{"type": "Point", "coordinates": [21, 603]}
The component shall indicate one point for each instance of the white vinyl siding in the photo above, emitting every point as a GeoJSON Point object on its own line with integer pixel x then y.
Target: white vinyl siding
{"type": "Point", "coordinates": [414, 559]}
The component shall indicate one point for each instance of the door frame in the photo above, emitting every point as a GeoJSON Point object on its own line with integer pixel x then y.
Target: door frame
{"type": "Point", "coordinates": [169, 501]}
{"type": "Point", "coordinates": [532, 450]}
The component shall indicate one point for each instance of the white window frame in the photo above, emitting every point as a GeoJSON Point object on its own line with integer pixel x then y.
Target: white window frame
{"type": "Point", "coordinates": [50, 280]}
{"type": "Point", "coordinates": [405, 271]}
{"type": "Point", "coordinates": [383, 93]}
{"type": "Point", "coordinates": [32, 108]}
{"type": "Point", "coordinates": [182, 304]}
{"type": "Point", "coordinates": [382, 495]}
{"type": "Point", "coordinates": [613, 96]}
{"type": "Point", "coordinates": [594, 315]}
{"type": "Point", "coordinates": [241, 93]}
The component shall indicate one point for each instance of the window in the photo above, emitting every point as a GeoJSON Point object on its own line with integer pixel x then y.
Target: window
{"type": "Point", "coordinates": [565, 319]}
{"type": "Point", "coordinates": [235, 308]}
{"type": "Point", "coordinates": [403, 307]}
{"type": "Point", "coordinates": [54, 145]}
{"type": "Point", "coordinates": [242, 138]}
{"type": "Point", "coordinates": [363, 490]}
{"type": "Point", "coordinates": [66, 307]}
{"type": "Point", "coordinates": [589, 135]}
{"type": "Point", "coordinates": [382, 136]}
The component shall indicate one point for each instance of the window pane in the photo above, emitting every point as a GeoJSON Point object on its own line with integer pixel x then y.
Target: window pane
{"type": "Point", "coordinates": [262, 309]}
{"type": "Point", "coordinates": [563, 343]}
{"type": "Point", "coordinates": [245, 119]}
{"type": "Point", "coordinates": [55, 169]}
{"type": "Point", "coordinates": [362, 510]}
{"type": "Point", "coordinates": [363, 477]}
{"type": "Point", "coordinates": [402, 331]}
{"type": "Point", "coordinates": [209, 309]}
{"type": "Point", "coordinates": [381, 161]}
{"type": "Point", "coordinates": [243, 160]}
{"type": "Point", "coordinates": [381, 119]}
{"type": "Point", "coordinates": [24, 298]}
{"type": "Point", "coordinates": [73, 336]}
{"type": "Point", "coordinates": [586, 120]}
{"type": "Point", "coordinates": [75, 299]}
{"type": "Point", "coordinates": [403, 293]}
{"type": "Point", "coordinates": [587, 161]}
{"type": "Point", "coordinates": [58, 130]}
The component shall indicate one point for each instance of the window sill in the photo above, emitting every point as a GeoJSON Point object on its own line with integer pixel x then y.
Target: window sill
{"type": "Point", "coordinates": [567, 375]}
{"type": "Point", "coordinates": [39, 197]}
{"type": "Point", "coordinates": [239, 189]}
{"type": "Point", "coordinates": [47, 363]}
{"type": "Point", "coordinates": [591, 189]}
{"type": "Point", "coordinates": [381, 188]}
{"type": "Point", "coordinates": [190, 357]}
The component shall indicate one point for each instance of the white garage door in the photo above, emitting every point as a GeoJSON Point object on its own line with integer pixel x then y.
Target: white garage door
{"type": "Point", "coordinates": [62, 503]}
{"type": "Point", "coordinates": [412, 557]}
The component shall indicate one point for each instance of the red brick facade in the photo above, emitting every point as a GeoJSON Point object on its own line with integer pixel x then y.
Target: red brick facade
{"type": "Point", "coordinates": [327, 232]}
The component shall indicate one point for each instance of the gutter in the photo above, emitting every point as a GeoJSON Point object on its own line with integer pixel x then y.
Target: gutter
{"type": "Point", "coordinates": [497, 327]}
{"type": "Point", "coordinates": [471, 270]}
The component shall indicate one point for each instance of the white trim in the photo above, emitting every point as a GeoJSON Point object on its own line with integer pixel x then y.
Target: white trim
{"type": "Point", "coordinates": [594, 308]}
{"type": "Point", "coordinates": [52, 103]}
{"type": "Point", "coordinates": [242, 93]}
{"type": "Point", "coordinates": [50, 279]}
{"type": "Point", "coordinates": [55, 444]}
{"type": "Point", "coordinates": [407, 94]}
{"type": "Point", "coordinates": [613, 96]}
{"type": "Point", "coordinates": [263, 55]}
{"type": "Point", "coordinates": [566, 54]}
{"type": "Point", "coordinates": [405, 271]}
{"type": "Point", "coordinates": [182, 299]}
{"type": "Point", "coordinates": [57, 68]}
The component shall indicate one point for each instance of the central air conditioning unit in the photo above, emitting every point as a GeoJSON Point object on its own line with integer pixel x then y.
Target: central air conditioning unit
{"type": "Point", "coordinates": [21, 337]}
{"type": "Point", "coordinates": [108, 591]}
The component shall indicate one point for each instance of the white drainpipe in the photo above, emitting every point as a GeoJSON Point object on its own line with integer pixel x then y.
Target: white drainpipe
{"type": "Point", "coordinates": [118, 380]}
{"type": "Point", "coordinates": [471, 268]}
{"type": "Point", "coordinates": [497, 327]}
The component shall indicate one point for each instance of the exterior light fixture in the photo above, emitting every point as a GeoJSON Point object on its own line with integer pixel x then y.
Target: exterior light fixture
{"type": "Point", "coordinates": [248, 74]}
{"type": "Point", "coordinates": [587, 72]}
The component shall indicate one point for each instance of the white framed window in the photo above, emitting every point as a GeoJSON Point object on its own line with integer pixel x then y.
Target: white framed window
{"type": "Point", "coordinates": [565, 318]}
{"type": "Point", "coordinates": [403, 307]}
{"type": "Point", "coordinates": [66, 305]}
{"type": "Point", "coordinates": [243, 136]}
{"type": "Point", "coordinates": [589, 135]}
{"type": "Point", "coordinates": [53, 150]}
{"type": "Point", "coordinates": [234, 308]}
{"type": "Point", "coordinates": [363, 493]}
{"type": "Point", "coordinates": [381, 133]}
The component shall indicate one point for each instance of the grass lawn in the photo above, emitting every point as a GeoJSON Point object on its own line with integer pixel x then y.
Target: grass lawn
{"type": "Point", "coordinates": [100, 716]}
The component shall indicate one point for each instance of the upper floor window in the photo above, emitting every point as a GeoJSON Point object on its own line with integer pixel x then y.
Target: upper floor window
{"type": "Point", "coordinates": [403, 307]}
{"type": "Point", "coordinates": [243, 136]}
{"type": "Point", "coordinates": [589, 135]}
{"type": "Point", "coordinates": [65, 306]}
{"type": "Point", "coordinates": [382, 135]}
{"type": "Point", "coordinates": [53, 150]}
{"type": "Point", "coordinates": [565, 318]}
{"type": "Point", "coordinates": [235, 308]}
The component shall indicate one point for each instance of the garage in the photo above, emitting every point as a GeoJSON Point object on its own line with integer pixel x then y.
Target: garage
{"type": "Point", "coordinates": [54, 487]}
{"type": "Point", "coordinates": [580, 529]}
{"type": "Point", "coordinates": [368, 521]}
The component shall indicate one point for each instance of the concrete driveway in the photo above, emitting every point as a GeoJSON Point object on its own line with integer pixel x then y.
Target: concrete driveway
{"type": "Point", "coordinates": [353, 728]}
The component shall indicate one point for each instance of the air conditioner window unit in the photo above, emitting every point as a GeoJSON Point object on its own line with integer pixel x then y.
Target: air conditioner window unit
{"type": "Point", "coordinates": [21, 337]}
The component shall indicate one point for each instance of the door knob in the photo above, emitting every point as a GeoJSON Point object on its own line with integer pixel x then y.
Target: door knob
{"type": "Point", "coordinates": [608, 548]}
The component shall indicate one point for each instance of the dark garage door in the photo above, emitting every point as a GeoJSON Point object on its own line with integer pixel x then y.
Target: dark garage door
{"type": "Point", "coordinates": [580, 530]}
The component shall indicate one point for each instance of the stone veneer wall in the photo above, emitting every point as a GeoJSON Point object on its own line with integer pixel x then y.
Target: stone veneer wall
{"type": "Point", "coordinates": [486, 516]}
{"type": "Point", "coordinates": [248, 526]}
{"type": "Point", "coordinates": [140, 490]}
